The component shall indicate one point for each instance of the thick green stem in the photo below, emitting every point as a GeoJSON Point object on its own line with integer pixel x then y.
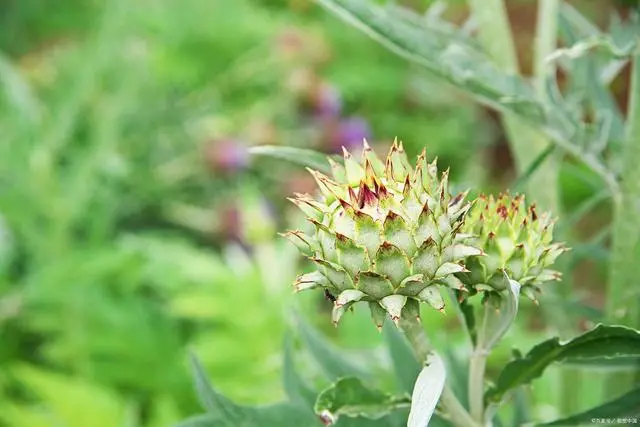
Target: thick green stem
{"type": "Point", "coordinates": [545, 44]}
{"type": "Point", "coordinates": [414, 332]}
{"type": "Point", "coordinates": [526, 143]}
{"type": "Point", "coordinates": [477, 367]}
{"type": "Point", "coordinates": [623, 296]}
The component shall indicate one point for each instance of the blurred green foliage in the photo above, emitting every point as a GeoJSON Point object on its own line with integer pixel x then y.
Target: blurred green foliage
{"type": "Point", "coordinates": [116, 256]}
{"type": "Point", "coordinates": [123, 244]}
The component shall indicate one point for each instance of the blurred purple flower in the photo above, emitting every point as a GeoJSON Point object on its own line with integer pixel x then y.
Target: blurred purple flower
{"type": "Point", "coordinates": [327, 101]}
{"type": "Point", "coordinates": [227, 155]}
{"type": "Point", "coordinates": [350, 133]}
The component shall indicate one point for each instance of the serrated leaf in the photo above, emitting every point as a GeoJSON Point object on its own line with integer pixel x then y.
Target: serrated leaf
{"type": "Point", "coordinates": [295, 387]}
{"type": "Point", "coordinates": [601, 342]}
{"type": "Point", "coordinates": [427, 391]}
{"type": "Point", "coordinates": [350, 397]}
{"type": "Point", "coordinates": [405, 364]}
{"type": "Point", "coordinates": [626, 406]}
{"type": "Point", "coordinates": [331, 360]}
{"type": "Point", "coordinates": [300, 156]}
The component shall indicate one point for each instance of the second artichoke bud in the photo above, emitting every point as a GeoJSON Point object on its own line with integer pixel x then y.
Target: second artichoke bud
{"type": "Point", "coordinates": [516, 239]}
{"type": "Point", "coordinates": [384, 233]}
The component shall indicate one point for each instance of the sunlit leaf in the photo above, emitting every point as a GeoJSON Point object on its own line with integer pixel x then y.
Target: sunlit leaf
{"type": "Point", "coordinates": [427, 391]}
{"type": "Point", "coordinates": [72, 402]}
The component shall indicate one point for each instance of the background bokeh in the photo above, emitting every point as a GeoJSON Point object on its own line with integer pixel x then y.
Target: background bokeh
{"type": "Point", "coordinates": [134, 226]}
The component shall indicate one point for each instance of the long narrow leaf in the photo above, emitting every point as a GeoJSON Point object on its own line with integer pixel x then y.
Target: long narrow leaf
{"type": "Point", "coordinates": [294, 385]}
{"type": "Point", "coordinates": [331, 360]}
{"type": "Point", "coordinates": [404, 361]}
{"type": "Point", "coordinates": [300, 156]}
{"type": "Point", "coordinates": [463, 65]}
{"type": "Point", "coordinates": [216, 404]}
{"type": "Point", "coordinates": [427, 391]}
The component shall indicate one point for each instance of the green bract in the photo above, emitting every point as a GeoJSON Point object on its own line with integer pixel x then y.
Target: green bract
{"type": "Point", "coordinates": [383, 233]}
{"type": "Point", "coordinates": [515, 239]}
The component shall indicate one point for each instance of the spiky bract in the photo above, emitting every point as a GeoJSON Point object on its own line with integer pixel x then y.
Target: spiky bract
{"type": "Point", "coordinates": [515, 239]}
{"type": "Point", "coordinates": [383, 233]}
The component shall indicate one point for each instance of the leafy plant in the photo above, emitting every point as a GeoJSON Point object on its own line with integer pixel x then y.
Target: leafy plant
{"type": "Point", "coordinates": [366, 252]}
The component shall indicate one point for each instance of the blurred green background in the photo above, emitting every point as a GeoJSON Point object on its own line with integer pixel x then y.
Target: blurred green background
{"type": "Point", "coordinates": [134, 227]}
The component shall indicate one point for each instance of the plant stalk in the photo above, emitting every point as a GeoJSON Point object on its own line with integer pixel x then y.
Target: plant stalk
{"type": "Point", "coordinates": [414, 332]}
{"type": "Point", "coordinates": [623, 297]}
{"type": "Point", "coordinates": [477, 367]}
{"type": "Point", "coordinates": [525, 142]}
{"type": "Point", "coordinates": [546, 44]}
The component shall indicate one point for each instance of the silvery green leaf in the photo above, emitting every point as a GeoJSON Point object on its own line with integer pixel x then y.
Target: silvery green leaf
{"type": "Point", "coordinates": [427, 391]}
{"type": "Point", "coordinates": [458, 61]}
{"type": "Point", "coordinates": [300, 156]}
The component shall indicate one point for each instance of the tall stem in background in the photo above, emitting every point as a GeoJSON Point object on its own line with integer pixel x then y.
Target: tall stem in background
{"type": "Point", "coordinates": [545, 44]}
{"type": "Point", "coordinates": [623, 295]}
{"type": "Point", "coordinates": [525, 142]}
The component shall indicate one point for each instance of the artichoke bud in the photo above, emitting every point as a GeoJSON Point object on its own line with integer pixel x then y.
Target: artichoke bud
{"type": "Point", "coordinates": [384, 233]}
{"type": "Point", "coordinates": [515, 239]}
